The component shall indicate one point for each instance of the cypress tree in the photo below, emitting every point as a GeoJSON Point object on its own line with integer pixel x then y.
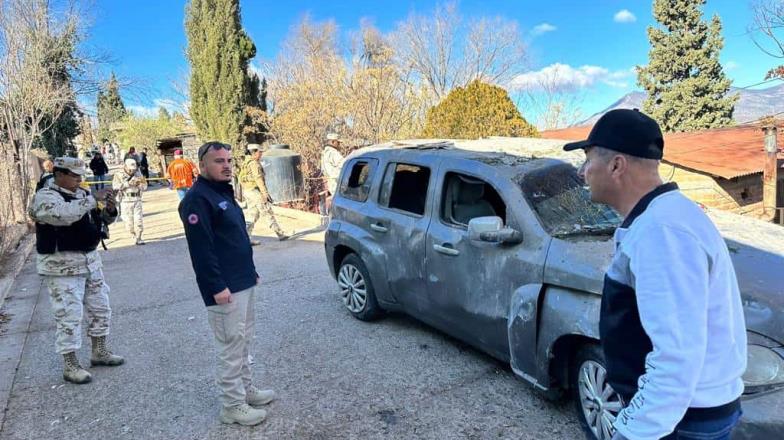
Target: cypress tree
{"type": "Point", "coordinates": [219, 52]}
{"type": "Point", "coordinates": [686, 85]}
{"type": "Point", "coordinates": [110, 109]}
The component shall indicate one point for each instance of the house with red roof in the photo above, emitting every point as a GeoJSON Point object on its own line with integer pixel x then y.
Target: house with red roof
{"type": "Point", "coordinates": [720, 168]}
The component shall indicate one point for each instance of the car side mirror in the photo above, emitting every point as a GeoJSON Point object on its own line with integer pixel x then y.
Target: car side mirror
{"type": "Point", "coordinates": [492, 230]}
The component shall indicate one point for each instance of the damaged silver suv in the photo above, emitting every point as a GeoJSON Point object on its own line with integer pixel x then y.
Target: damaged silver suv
{"type": "Point", "coordinates": [508, 254]}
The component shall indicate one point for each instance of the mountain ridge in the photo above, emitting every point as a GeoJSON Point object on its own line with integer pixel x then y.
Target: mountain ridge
{"type": "Point", "coordinates": [752, 105]}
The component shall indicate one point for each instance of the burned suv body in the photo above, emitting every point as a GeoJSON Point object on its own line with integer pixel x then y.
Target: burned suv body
{"type": "Point", "coordinates": [508, 254]}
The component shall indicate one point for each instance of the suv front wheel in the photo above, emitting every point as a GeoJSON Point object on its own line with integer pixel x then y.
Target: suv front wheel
{"type": "Point", "coordinates": [596, 402]}
{"type": "Point", "coordinates": [356, 289]}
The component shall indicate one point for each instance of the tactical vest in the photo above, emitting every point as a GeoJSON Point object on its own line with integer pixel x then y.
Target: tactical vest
{"type": "Point", "coordinates": [81, 236]}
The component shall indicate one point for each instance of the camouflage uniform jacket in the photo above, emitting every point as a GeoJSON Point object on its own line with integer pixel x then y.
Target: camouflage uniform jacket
{"type": "Point", "coordinates": [50, 207]}
{"type": "Point", "coordinates": [129, 187]}
{"type": "Point", "coordinates": [253, 176]}
{"type": "Point", "coordinates": [331, 164]}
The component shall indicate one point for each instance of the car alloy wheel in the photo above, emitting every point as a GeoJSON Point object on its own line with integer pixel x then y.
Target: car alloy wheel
{"type": "Point", "coordinates": [353, 290]}
{"type": "Point", "coordinates": [600, 403]}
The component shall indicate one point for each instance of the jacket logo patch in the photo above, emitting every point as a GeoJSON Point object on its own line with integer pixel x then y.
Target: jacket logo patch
{"type": "Point", "coordinates": [193, 219]}
{"type": "Point", "coordinates": [223, 205]}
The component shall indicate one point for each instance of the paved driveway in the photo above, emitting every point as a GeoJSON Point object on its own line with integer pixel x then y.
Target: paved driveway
{"type": "Point", "coordinates": [336, 377]}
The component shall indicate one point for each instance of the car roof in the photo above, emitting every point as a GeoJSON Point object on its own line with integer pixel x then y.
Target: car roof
{"type": "Point", "coordinates": [508, 165]}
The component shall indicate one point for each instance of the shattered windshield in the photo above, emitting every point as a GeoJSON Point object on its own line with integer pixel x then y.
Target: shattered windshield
{"type": "Point", "coordinates": [563, 203]}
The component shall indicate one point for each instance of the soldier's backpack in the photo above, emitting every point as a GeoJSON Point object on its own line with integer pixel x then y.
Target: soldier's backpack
{"type": "Point", "coordinates": [244, 174]}
{"type": "Point", "coordinates": [42, 182]}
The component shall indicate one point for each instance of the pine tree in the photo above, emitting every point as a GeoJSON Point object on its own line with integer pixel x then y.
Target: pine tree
{"type": "Point", "coordinates": [686, 86]}
{"type": "Point", "coordinates": [478, 110]}
{"type": "Point", "coordinates": [110, 109]}
{"type": "Point", "coordinates": [219, 52]}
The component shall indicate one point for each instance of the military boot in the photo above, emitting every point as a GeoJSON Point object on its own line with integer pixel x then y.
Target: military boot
{"type": "Point", "coordinates": [139, 240]}
{"type": "Point", "coordinates": [73, 372]}
{"type": "Point", "coordinates": [256, 397]}
{"type": "Point", "coordinates": [102, 355]}
{"type": "Point", "coordinates": [242, 414]}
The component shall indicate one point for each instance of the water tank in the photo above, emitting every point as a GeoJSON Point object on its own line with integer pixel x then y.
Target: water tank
{"type": "Point", "coordinates": [282, 174]}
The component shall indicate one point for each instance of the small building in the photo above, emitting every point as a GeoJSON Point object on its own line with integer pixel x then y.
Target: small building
{"type": "Point", "coordinates": [720, 168]}
{"type": "Point", "coordinates": [188, 142]}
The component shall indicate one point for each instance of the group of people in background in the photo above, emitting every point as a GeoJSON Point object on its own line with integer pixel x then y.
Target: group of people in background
{"type": "Point", "coordinates": [71, 221]}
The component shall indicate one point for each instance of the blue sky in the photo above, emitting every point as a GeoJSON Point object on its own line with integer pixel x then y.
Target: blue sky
{"type": "Point", "coordinates": [595, 42]}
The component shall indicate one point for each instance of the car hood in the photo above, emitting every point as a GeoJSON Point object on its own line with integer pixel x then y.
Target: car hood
{"type": "Point", "coordinates": [756, 249]}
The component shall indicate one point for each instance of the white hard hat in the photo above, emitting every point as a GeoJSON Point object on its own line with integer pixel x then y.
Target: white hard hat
{"type": "Point", "coordinates": [333, 137]}
{"type": "Point", "coordinates": [131, 163]}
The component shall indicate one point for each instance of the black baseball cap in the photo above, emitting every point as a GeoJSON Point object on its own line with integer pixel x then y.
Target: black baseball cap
{"type": "Point", "coordinates": [626, 131]}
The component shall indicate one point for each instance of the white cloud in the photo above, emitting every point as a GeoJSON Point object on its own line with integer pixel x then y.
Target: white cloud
{"type": "Point", "coordinates": [563, 76]}
{"type": "Point", "coordinates": [542, 28]}
{"type": "Point", "coordinates": [624, 16]}
{"type": "Point", "coordinates": [731, 65]}
{"type": "Point", "coordinates": [152, 111]}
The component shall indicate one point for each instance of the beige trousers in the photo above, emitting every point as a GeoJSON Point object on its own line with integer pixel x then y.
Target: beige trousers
{"type": "Point", "coordinates": [69, 296]}
{"type": "Point", "coordinates": [259, 207]}
{"type": "Point", "coordinates": [133, 217]}
{"type": "Point", "coordinates": [233, 326]}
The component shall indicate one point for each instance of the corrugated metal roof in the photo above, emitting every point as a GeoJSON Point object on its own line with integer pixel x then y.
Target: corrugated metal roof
{"type": "Point", "coordinates": [725, 152]}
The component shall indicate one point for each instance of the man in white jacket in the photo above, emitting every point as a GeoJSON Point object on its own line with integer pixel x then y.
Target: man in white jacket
{"type": "Point", "coordinates": [672, 326]}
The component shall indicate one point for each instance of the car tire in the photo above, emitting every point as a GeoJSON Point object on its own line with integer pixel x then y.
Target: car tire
{"type": "Point", "coordinates": [356, 289]}
{"type": "Point", "coordinates": [595, 411]}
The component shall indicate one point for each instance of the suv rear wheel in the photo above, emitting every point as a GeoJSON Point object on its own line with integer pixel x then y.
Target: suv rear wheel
{"type": "Point", "coordinates": [356, 289]}
{"type": "Point", "coordinates": [596, 402]}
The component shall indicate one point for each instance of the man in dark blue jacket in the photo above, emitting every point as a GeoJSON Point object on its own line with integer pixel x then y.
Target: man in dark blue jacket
{"type": "Point", "coordinates": [223, 262]}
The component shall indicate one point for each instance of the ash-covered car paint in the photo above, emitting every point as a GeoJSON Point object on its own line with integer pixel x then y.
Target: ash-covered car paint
{"type": "Point", "coordinates": [508, 254]}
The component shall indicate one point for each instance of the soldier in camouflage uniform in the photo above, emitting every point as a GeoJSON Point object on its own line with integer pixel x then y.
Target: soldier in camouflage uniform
{"type": "Point", "coordinates": [129, 185]}
{"type": "Point", "coordinates": [255, 192]}
{"type": "Point", "coordinates": [69, 227]}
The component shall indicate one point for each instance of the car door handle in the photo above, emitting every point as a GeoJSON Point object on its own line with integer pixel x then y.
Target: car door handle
{"type": "Point", "coordinates": [446, 250]}
{"type": "Point", "coordinates": [378, 227]}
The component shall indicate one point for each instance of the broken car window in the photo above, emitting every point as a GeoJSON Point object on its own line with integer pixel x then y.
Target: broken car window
{"type": "Point", "coordinates": [356, 185]}
{"type": "Point", "coordinates": [563, 203]}
{"type": "Point", "coordinates": [408, 190]}
{"type": "Point", "coordinates": [466, 197]}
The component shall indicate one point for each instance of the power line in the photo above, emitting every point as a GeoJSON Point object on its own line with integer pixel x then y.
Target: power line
{"type": "Point", "coordinates": [758, 84]}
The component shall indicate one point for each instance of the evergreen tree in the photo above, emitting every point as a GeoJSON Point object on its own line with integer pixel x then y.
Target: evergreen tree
{"type": "Point", "coordinates": [110, 109]}
{"type": "Point", "coordinates": [163, 114]}
{"type": "Point", "coordinates": [257, 91]}
{"type": "Point", "coordinates": [63, 129]}
{"type": "Point", "coordinates": [219, 52]}
{"type": "Point", "coordinates": [263, 95]}
{"type": "Point", "coordinates": [478, 110]}
{"type": "Point", "coordinates": [686, 86]}
{"type": "Point", "coordinates": [57, 131]}
{"type": "Point", "coordinates": [256, 124]}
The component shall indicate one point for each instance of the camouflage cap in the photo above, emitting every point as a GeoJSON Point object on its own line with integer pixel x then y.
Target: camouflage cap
{"type": "Point", "coordinates": [72, 164]}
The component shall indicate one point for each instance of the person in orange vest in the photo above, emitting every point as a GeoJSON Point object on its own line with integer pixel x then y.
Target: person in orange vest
{"type": "Point", "coordinates": [181, 173]}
